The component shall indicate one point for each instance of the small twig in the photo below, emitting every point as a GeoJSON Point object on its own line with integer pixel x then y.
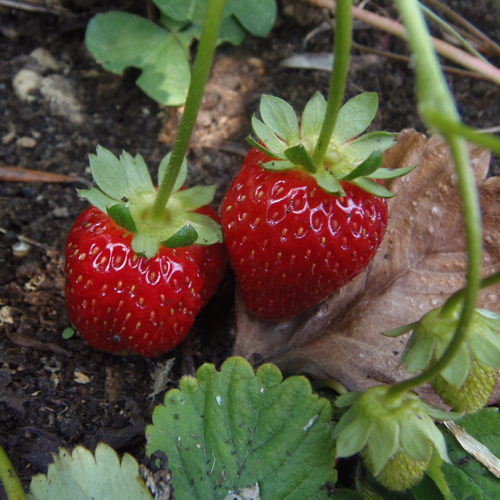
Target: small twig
{"type": "Point", "coordinates": [16, 174]}
{"type": "Point", "coordinates": [20, 237]}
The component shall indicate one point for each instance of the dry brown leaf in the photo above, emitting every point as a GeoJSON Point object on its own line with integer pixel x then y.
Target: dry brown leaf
{"type": "Point", "coordinates": [419, 264]}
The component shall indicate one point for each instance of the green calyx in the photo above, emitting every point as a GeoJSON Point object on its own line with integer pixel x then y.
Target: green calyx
{"type": "Point", "coordinates": [349, 156]}
{"type": "Point", "coordinates": [126, 193]}
{"type": "Point", "coordinates": [434, 332]}
{"type": "Point", "coordinates": [383, 427]}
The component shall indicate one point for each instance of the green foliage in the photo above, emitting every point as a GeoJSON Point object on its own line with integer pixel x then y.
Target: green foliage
{"type": "Point", "coordinates": [119, 40]}
{"type": "Point", "coordinates": [81, 476]}
{"type": "Point", "coordinates": [223, 431]}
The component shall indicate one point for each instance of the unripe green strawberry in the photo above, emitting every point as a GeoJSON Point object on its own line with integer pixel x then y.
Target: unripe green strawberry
{"type": "Point", "coordinates": [474, 394]}
{"type": "Point", "coordinates": [395, 434]}
{"type": "Point", "coordinates": [401, 471]}
{"type": "Point", "coordinates": [469, 378]}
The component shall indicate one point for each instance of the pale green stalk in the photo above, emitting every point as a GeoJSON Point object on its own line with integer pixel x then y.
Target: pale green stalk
{"type": "Point", "coordinates": [9, 478]}
{"type": "Point", "coordinates": [436, 99]}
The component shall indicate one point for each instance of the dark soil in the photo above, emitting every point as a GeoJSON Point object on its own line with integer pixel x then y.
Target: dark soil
{"type": "Point", "coordinates": [56, 392]}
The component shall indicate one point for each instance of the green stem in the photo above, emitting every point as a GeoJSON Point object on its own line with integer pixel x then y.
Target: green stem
{"type": "Point", "coordinates": [8, 476]}
{"type": "Point", "coordinates": [201, 70]}
{"type": "Point", "coordinates": [435, 97]}
{"type": "Point", "coordinates": [458, 296]}
{"type": "Point", "coordinates": [329, 384]}
{"type": "Point", "coordinates": [342, 50]}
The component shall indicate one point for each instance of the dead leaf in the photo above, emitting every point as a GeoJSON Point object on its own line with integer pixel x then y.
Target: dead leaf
{"type": "Point", "coordinates": [80, 378]}
{"type": "Point", "coordinates": [421, 261]}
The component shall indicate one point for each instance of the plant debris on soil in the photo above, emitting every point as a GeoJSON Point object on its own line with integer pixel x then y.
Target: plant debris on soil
{"type": "Point", "coordinates": [57, 104]}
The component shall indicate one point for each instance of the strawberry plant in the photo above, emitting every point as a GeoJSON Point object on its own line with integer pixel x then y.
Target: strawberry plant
{"type": "Point", "coordinates": [119, 40]}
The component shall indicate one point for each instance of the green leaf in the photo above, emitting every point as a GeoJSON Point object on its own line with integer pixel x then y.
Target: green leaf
{"type": "Point", "coordinates": [313, 116]}
{"type": "Point", "coordinates": [109, 174]}
{"type": "Point", "coordinates": [80, 476]}
{"type": "Point", "coordinates": [354, 436]}
{"type": "Point", "coordinates": [492, 319]}
{"type": "Point", "coordinates": [270, 140]}
{"type": "Point", "coordinates": [121, 215]}
{"type": "Point", "coordinates": [400, 330]}
{"type": "Point", "coordinates": [486, 347]}
{"type": "Point", "coordinates": [345, 494]}
{"type": "Point", "coordinates": [260, 147]}
{"type": "Point", "coordinates": [328, 183]}
{"type": "Point", "coordinates": [354, 117]}
{"type": "Point", "coordinates": [184, 10]}
{"type": "Point", "coordinates": [457, 371]}
{"type": "Point", "coordinates": [231, 31]}
{"type": "Point", "coordinates": [360, 149]}
{"type": "Point", "coordinates": [427, 426]}
{"type": "Point", "coordinates": [436, 474]}
{"type": "Point", "coordinates": [119, 40]}
{"type": "Point", "coordinates": [181, 178]}
{"type": "Point", "coordinates": [209, 232]}
{"type": "Point", "coordinates": [347, 399]}
{"type": "Point", "coordinates": [280, 117]}
{"type": "Point", "coordinates": [414, 441]}
{"type": "Point", "coordinates": [99, 199]}
{"type": "Point", "coordinates": [185, 237]}
{"type": "Point", "coordinates": [278, 165]}
{"type": "Point", "coordinates": [195, 197]}
{"type": "Point", "coordinates": [372, 187]}
{"type": "Point", "coordinates": [136, 170]}
{"type": "Point", "coordinates": [427, 489]}
{"type": "Point", "coordinates": [299, 156]}
{"type": "Point", "coordinates": [388, 173]}
{"type": "Point", "coordinates": [466, 477]}
{"type": "Point", "coordinates": [146, 243]}
{"type": "Point", "coordinates": [68, 333]}
{"type": "Point", "coordinates": [256, 16]}
{"type": "Point", "coordinates": [226, 431]}
{"type": "Point", "coordinates": [369, 166]}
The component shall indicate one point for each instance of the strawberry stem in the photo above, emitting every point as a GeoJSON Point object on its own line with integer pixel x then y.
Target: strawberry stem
{"type": "Point", "coordinates": [342, 50]}
{"type": "Point", "coordinates": [434, 96]}
{"type": "Point", "coordinates": [9, 478]}
{"type": "Point", "coordinates": [201, 70]}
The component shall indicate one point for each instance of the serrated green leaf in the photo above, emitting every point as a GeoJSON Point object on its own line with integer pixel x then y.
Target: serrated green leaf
{"type": "Point", "coordinates": [299, 156]}
{"type": "Point", "coordinates": [209, 232]}
{"type": "Point", "coordinates": [354, 436]}
{"type": "Point", "coordinates": [466, 477]}
{"type": "Point", "coordinates": [400, 330]}
{"type": "Point", "coordinates": [119, 40]}
{"type": "Point", "coordinates": [195, 197]}
{"type": "Point", "coordinates": [99, 199]}
{"type": "Point", "coordinates": [185, 237]}
{"type": "Point", "coordinates": [354, 117]}
{"type": "Point", "coordinates": [280, 117]}
{"type": "Point", "coordinates": [328, 183]}
{"type": "Point", "coordinates": [387, 173]}
{"type": "Point", "coordinates": [372, 187]}
{"type": "Point", "coordinates": [382, 445]}
{"type": "Point", "coordinates": [80, 476]}
{"type": "Point", "coordinates": [360, 149]}
{"type": "Point", "coordinates": [109, 173]}
{"type": "Point", "coordinates": [457, 370]}
{"type": "Point", "coordinates": [235, 428]}
{"type": "Point", "coordinates": [121, 215]}
{"type": "Point", "coordinates": [270, 140]}
{"type": "Point", "coordinates": [181, 178]}
{"type": "Point", "coordinates": [365, 169]}
{"type": "Point", "coordinates": [313, 116]}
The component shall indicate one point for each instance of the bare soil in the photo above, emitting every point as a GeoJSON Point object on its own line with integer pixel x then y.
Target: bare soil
{"type": "Point", "coordinates": [56, 392]}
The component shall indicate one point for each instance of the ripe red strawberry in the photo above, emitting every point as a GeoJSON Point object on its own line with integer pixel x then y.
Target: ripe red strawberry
{"type": "Point", "coordinates": [122, 302]}
{"type": "Point", "coordinates": [290, 243]}
{"type": "Point", "coordinates": [296, 231]}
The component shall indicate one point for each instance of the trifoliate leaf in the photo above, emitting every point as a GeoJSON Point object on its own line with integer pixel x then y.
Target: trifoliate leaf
{"type": "Point", "coordinates": [360, 149]}
{"type": "Point", "coordinates": [185, 237]}
{"type": "Point", "coordinates": [354, 117]}
{"type": "Point", "coordinates": [372, 187]}
{"type": "Point", "coordinates": [195, 197]}
{"type": "Point", "coordinates": [270, 140]}
{"type": "Point", "coordinates": [121, 215]}
{"type": "Point", "coordinates": [313, 116]}
{"type": "Point", "coordinates": [99, 199]}
{"type": "Point", "coordinates": [118, 40]}
{"type": "Point", "coordinates": [181, 178]}
{"type": "Point", "coordinates": [81, 476]}
{"type": "Point", "coordinates": [230, 430]}
{"type": "Point", "coordinates": [299, 156]}
{"type": "Point", "coordinates": [369, 166]}
{"type": "Point", "coordinates": [280, 117]}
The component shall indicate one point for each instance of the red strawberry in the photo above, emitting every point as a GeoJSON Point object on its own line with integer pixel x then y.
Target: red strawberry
{"type": "Point", "coordinates": [122, 302]}
{"type": "Point", "coordinates": [290, 243]}
{"type": "Point", "coordinates": [297, 231]}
